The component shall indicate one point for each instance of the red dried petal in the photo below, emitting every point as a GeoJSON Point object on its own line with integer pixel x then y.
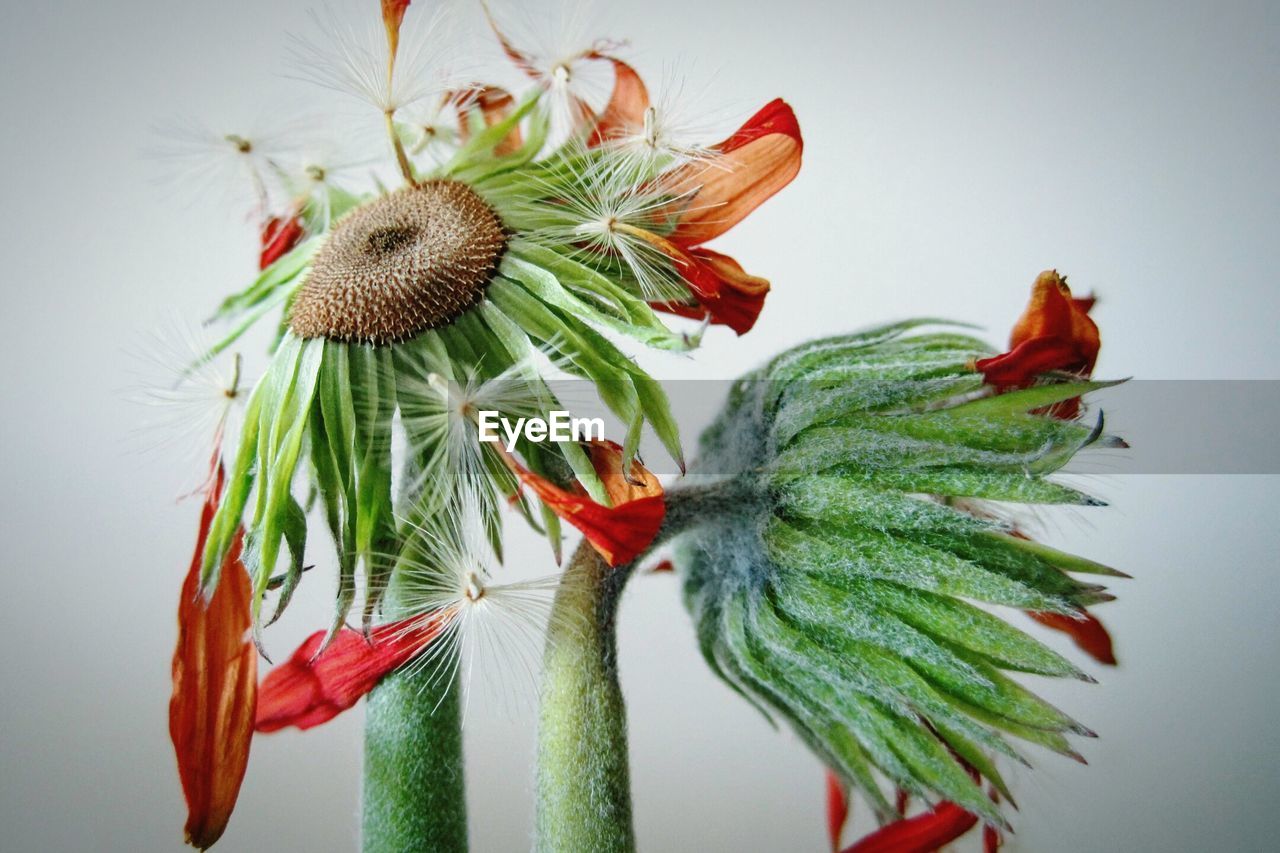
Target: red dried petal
{"type": "Point", "coordinates": [1084, 628]}
{"type": "Point", "coordinates": [837, 808]}
{"type": "Point", "coordinates": [280, 234]}
{"type": "Point", "coordinates": [726, 294]}
{"type": "Point", "coordinates": [1055, 332]}
{"type": "Point", "coordinates": [761, 158]}
{"type": "Point", "coordinates": [621, 532]}
{"type": "Point", "coordinates": [309, 688]}
{"type": "Point", "coordinates": [214, 686]}
{"type": "Point", "coordinates": [923, 833]}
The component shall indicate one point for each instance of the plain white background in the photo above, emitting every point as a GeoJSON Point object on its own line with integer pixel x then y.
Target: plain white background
{"type": "Point", "coordinates": [953, 151]}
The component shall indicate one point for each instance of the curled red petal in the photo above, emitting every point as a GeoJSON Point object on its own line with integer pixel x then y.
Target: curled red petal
{"type": "Point", "coordinates": [726, 294]}
{"type": "Point", "coordinates": [280, 234]}
{"type": "Point", "coordinates": [620, 533]}
{"type": "Point", "coordinates": [627, 104]}
{"type": "Point", "coordinates": [837, 808]}
{"type": "Point", "coordinates": [214, 686]}
{"type": "Point", "coordinates": [1055, 332]}
{"type": "Point", "coordinates": [1028, 360]}
{"type": "Point", "coordinates": [1085, 630]}
{"type": "Point", "coordinates": [923, 833]}
{"type": "Point", "coordinates": [761, 158]}
{"type": "Point", "coordinates": [314, 686]}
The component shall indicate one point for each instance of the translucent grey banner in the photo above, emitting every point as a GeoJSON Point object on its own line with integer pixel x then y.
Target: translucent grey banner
{"type": "Point", "coordinates": [1171, 426]}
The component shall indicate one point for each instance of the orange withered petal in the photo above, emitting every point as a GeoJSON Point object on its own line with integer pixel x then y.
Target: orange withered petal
{"type": "Point", "coordinates": [1054, 333]}
{"type": "Point", "coordinates": [762, 157]}
{"type": "Point", "coordinates": [837, 808]}
{"type": "Point", "coordinates": [215, 686]}
{"type": "Point", "coordinates": [314, 686]}
{"type": "Point", "coordinates": [627, 104]}
{"type": "Point", "coordinates": [923, 833]}
{"type": "Point", "coordinates": [619, 533]}
{"type": "Point", "coordinates": [1085, 630]}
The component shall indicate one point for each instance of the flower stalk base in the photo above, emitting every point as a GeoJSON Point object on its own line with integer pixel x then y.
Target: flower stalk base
{"type": "Point", "coordinates": [414, 791]}
{"type": "Point", "coordinates": [583, 786]}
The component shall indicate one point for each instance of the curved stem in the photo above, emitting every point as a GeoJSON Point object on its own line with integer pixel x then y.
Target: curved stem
{"type": "Point", "coordinates": [584, 786]}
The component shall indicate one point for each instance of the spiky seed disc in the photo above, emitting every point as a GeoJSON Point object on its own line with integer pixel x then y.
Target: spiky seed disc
{"type": "Point", "coordinates": [412, 260]}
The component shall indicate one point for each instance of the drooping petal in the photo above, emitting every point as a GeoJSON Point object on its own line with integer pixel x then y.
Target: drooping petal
{"type": "Point", "coordinates": [1085, 630]}
{"type": "Point", "coordinates": [923, 833]}
{"type": "Point", "coordinates": [214, 686]}
{"type": "Point", "coordinates": [726, 293]}
{"type": "Point", "coordinates": [837, 808]}
{"type": "Point", "coordinates": [495, 105]}
{"type": "Point", "coordinates": [627, 104]}
{"type": "Point", "coordinates": [621, 532]}
{"type": "Point", "coordinates": [280, 234]}
{"type": "Point", "coordinates": [309, 688]}
{"type": "Point", "coordinates": [762, 157]}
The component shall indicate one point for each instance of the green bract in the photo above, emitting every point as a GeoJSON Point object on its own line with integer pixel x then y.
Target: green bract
{"type": "Point", "coordinates": [838, 586]}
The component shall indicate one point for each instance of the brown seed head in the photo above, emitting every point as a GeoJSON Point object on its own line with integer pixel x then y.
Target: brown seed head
{"type": "Point", "coordinates": [412, 260]}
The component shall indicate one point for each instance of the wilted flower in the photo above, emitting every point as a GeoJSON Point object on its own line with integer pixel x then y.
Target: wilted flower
{"type": "Point", "coordinates": [405, 312]}
{"type": "Point", "coordinates": [833, 584]}
{"type": "Point", "coordinates": [474, 268]}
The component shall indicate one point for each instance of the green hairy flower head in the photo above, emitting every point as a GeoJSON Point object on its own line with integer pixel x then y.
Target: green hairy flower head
{"type": "Point", "coordinates": [843, 584]}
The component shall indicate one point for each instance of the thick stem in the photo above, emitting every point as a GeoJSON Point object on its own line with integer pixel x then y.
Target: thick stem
{"type": "Point", "coordinates": [414, 796]}
{"type": "Point", "coordinates": [584, 786]}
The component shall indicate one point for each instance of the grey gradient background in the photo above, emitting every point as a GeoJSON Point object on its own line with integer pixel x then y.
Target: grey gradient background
{"type": "Point", "coordinates": [953, 151]}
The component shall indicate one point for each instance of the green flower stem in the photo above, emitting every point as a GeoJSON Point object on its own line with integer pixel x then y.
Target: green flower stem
{"type": "Point", "coordinates": [584, 786]}
{"type": "Point", "coordinates": [414, 796]}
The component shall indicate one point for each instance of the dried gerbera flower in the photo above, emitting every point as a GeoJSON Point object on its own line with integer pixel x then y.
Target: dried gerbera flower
{"type": "Point", "coordinates": [405, 311]}
{"type": "Point", "coordinates": [469, 270]}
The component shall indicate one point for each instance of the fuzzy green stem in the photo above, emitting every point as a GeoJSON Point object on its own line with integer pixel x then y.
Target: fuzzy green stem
{"type": "Point", "coordinates": [414, 796]}
{"type": "Point", "coordinates": [584, 786]}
